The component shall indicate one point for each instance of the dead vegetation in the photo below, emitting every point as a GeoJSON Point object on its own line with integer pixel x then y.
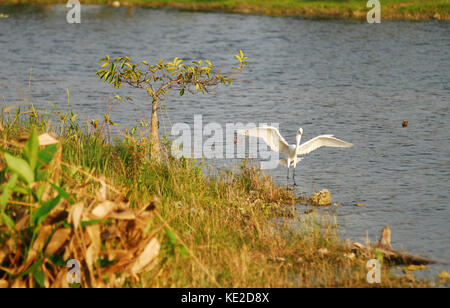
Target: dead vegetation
{"type": "Point", "coordinates": [131, 222]}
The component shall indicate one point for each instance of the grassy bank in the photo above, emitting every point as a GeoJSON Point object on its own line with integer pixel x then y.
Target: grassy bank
{"type": "Point", "coordinates": [390, 9]}
{"type": "Point", "coordinates": [135, 223]}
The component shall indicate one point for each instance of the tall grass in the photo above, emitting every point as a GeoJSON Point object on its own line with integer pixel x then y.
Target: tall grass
{"type": "Point", "coordinates": [235, 229]}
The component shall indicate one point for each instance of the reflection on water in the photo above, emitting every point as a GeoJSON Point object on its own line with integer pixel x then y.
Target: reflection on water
{"type": "Point", "coordinates": [347, 78]}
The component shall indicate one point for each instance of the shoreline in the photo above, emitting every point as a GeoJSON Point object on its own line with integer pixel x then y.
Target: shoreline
{"type": "Point", "coordinates": [129, 203]}
{"type": "Point", "coordinates": [393, 10]}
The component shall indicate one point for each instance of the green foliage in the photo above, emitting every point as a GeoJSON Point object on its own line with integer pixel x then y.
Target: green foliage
{"type": "Point", "coordinates": [172, 245]}
{"type": "Point", "coordinates": [161, 77]}
{"type": "Point", "coordinates": [28, 178]}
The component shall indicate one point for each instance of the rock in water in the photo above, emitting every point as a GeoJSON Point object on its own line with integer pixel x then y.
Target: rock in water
{"type": "Point", "coordinates": [321, 198]}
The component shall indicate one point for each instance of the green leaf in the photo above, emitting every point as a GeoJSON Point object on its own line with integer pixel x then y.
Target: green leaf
{"type": "Point", "coordinates": [30, 151]}
{"type": "Point", "coordinates": [42, 212]}
{"type": "Point", "coordinates": [171, 236]}
{"type": "Point", "coordinates": [8, 189]}
{"type": "Point", "coordinates": [39, 277]}
{"type": "Point", "coordinates": [183, 251]}
{"type": "Point", "coordinates": [64, 194]}
{"type": "Point", "coordinates": [20, 166]}
{"type": "Point", "coordinates": [7, 220]}
{"type": "Point", "coordinates": [57, 260]}
{"type": "Point", "coordinates": [90, 222]}
{"type": "Point", "coordinates": [40, 191]}
{"type": "Point", "coordinates": [46, 155]}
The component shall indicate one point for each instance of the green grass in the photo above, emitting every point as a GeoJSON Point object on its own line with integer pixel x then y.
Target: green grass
{"type": "Point", "coordinates": [390, 9]}
{"type": "Point", "coordinates": [213, 231]}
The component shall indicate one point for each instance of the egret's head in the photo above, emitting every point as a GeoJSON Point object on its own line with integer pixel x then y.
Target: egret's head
{"type": "Point", "coordinates": [299, 135]}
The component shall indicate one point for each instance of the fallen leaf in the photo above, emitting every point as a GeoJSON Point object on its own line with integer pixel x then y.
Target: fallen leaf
{"type": "Point", "coordinates": [75, 214]}
{"type": "Point", "coordinates": [94, 248]}
{"type": "Point", "coordinates": [126, 215]}
{"type": "Point", "coordinates": [22, 223]}
{"type": "Point", "coordinates": [38, 244]}
{"type": "Point", "coordinates": [19, 283]}
{"type": "Point", "coordinates": [103, 209]}
{"type": "Point", "coordinates": [102, 191]}
{"type": "Point", "coordinates": [46, 139]}
{"type": "Point", "coordinates": [58, 239]}
{"type": "Point", "coordinates": [150, 252]}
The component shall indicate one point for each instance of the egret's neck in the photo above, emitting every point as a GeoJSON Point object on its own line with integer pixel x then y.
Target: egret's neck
{"type": "Point", "coordinates": [298, 138]}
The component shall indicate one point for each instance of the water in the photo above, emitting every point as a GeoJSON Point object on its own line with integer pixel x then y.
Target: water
{"type": "Point", "coordinates": [354, 80]}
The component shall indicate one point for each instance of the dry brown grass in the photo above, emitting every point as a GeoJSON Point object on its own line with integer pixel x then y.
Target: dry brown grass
{"type": "Point", "coordinates": [135, 223]}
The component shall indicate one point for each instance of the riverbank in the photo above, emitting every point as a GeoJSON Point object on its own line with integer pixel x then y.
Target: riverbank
{"type": "Point", "coordinates": [355, 9]}
{"type": "Point", "coordinates": [133, 222]}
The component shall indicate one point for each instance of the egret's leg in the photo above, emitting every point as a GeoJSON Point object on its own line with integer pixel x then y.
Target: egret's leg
{"type": "Point", "coordinates": [293, 176]}
{"type": "Point", "coordinates": [287, 178]}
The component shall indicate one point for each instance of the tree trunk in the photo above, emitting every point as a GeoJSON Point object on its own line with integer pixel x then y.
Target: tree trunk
{"type": "Point", "coordinates": [390, 255]}
{"type": "Point", "coordinates": [155, 150]}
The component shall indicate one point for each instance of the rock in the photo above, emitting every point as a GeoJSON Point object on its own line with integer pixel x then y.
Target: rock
{"type": "Point", "coordinates": [322, 198]}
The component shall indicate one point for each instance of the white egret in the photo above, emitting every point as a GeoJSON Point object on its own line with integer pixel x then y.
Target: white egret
{"type": "Point", "coordinates": [276, 142]}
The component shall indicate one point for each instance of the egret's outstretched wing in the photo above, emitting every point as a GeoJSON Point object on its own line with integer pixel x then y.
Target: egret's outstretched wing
{"type": "Point", "coordinates": [321, 141]}
{"type": "Point", "coordinates": [271, 137]}
{"type": "Point", "coordinates": [283, 161]}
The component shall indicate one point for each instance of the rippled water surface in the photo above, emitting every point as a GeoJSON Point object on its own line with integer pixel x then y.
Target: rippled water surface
{"type": "Point", "coordinates": [354, 80]}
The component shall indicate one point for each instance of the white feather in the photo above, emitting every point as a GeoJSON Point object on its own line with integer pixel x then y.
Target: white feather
{"type": "Point", "coordinates": [276, 142]}
{"type": "Point", "coordinates": [271, 137]}
{"type": "Point", "coordinates": [320, 141]}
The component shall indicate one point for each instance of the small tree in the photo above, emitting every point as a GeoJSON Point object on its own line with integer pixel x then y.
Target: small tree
{"type": "Point", "coordinates": [158, 79]}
